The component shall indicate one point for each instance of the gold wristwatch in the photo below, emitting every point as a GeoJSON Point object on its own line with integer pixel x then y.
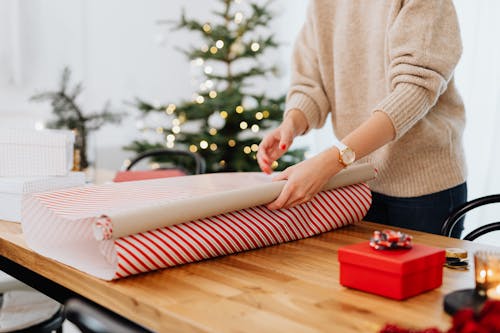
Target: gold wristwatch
{"type": "Point", "coordinates": [347, 156]}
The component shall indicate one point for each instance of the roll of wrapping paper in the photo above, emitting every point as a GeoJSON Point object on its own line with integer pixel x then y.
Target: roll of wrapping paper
{"type": "Point", "coordinates": [118, 224]}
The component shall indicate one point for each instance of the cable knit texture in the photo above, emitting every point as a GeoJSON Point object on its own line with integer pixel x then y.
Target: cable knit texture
{"type": "Point", "coordinates": [354, 57]}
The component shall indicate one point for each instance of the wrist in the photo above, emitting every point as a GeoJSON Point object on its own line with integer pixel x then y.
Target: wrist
{"type": "Point", "coordinates": [331, 158]}
{"type": "Point", "coordinates": [346, 156]}
{"type": "Point", "coordinates": [297, 121]}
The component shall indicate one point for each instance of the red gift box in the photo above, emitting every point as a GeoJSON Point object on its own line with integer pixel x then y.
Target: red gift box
{"type": "Point", "coordinates": [395, 273]}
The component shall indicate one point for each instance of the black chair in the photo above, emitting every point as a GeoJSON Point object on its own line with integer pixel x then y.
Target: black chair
{"type": "Point", "coordinates": [90, 319]}
{"type": "Point", "coordinates": [52, 324]}
{"type": "Point", "coordinates": [460, 211]}
{"type": "Point", "coordinates": [171, 163]}
{"type": "Point", "coordinates": [199, 162]}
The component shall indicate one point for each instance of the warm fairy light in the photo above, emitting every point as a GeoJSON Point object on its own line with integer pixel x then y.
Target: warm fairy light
{"type": "Point", "coordinates": [222, 163]}
{"type": "Point", "coordinates": [176, 122]}
{"type": "Point", "coordinates": [255, 46]}
{"type": "Point", "coordinates": [238, 17]}
{"type": "Point", "coordinates": [212, 94]}
{"type": "Point", "coordinates": [170, 144]}
{"type": "Point", "coordinates": [212, 131]}
{"type": "Point", "coordinates": [231, 143]}
{"type": "Point", "coordinates": [170, 109]}
{"type": "Point", "coordinates": [214, 50]}
{"type": "Point", "coordinates": [203, 144]}
{"type": "Point", "coordinates": [265, 114]}
{"type": "Point", "coordinates": [274, 165]}
{"type": "Point", "coordinates": [219, 44]}
{"type": "Point", "coordinates": [182, 117]}
{"type": "Point", "coordinates": [255, 147]}
{"type": "Point", "coordinates": [207, 28]}
{"type": "Point", "coordinates": [243, 125]}
{"type": "Point", "coordinates": [213, 147]}
{"type": "Point", "coordinates": [209, 84]}
{"type": "Point", "coordinates": [155, 166]}
{"type": "Point", "coordinates": [200, 99]}
{"type": "Point", "coordinates": [255, 128]}
{"type": "Point", "coordinates": [204, 48]}
{"type": "Point", "coordinates": [176, 129]}
{"type": "Point", "coordinates": [203, 86]}
{"type": "Point", "coordinates": [259, 116]}
{"type": "Point", "coordinates": [193, 148]}
{"type": "Point", "coordinates": [159, 130]}
{"type": "Point", "coordinates": [208, 70]}
{"type": "Point", "coordinates": [239, 109]}
{"type": "Point", "coordinates": [170, 137]}
{"type": "Point", "coordinates": [247, 150]}
{"type": "Point", "coordinates": [223, 114]}
{"type": "Point", "coordinates": [126, 163]}
{"type": "Point", "coordinates": [198, 61]}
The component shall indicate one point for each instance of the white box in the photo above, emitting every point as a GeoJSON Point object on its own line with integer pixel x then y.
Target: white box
{"type": "Point", "coordinates": [26, 153]}
{"type": "Point", "coordinates": [12, 190]}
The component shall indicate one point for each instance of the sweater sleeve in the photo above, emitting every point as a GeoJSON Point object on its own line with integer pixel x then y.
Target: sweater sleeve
{"type": "Point", "coordinates": [306, 91]}
{"type": "Point", "coordinates": [424, 47]}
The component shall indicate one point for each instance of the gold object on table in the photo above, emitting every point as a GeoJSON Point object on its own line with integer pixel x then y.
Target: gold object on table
{"type": "Point", "coordinates": [454, 252]}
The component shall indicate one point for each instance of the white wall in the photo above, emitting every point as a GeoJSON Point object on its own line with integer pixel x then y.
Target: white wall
{"type": "Point", "coordinates": [117, 49]}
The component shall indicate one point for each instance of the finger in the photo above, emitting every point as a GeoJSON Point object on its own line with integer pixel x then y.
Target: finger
{"type": "Point", "coordinates": [279, 202]}
{"type": "Point", "coordinates": [263, 161]}
{"type": "Point", "coordinates": [264, 158]}
{"type": "Point", "coordinates": [275, 153]}
{"type": "Point", "coordinates": [285, 140]}
{"type": "Point", "coordinates": [282, 175]}
{"type": "Point", "coordinates": [297, 202]}
{"type": "Point", "coordinates": [265, 167]}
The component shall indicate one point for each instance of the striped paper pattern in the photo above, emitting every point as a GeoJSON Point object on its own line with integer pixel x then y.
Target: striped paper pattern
{"type": "Point", "coordinates": [58, 225]}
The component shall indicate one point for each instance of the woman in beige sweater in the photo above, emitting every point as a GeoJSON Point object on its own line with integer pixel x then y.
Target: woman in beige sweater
{"type": "Point", "coordinates": [384, 70]}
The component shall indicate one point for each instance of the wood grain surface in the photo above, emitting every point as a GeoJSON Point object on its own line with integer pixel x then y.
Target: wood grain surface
{"type": "Point", "coordinates": [291, 287]}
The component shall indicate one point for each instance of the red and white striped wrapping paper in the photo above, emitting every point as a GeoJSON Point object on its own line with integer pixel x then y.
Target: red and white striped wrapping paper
{"type": "Point", "coordinates": [59, 225]}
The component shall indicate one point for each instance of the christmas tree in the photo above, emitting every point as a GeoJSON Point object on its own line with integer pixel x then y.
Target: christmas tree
{"type": "Point", "coordinates": [70, 115]}
{"type": "Point", "coordinates": [225, 119]}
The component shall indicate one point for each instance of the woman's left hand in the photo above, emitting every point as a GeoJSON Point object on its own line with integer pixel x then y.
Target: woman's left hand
{"type": "Point", "coordinates": [306, 179]}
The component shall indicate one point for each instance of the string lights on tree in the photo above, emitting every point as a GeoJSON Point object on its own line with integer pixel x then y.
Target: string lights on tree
{"type": "Point", "coordinates": [228, 117]}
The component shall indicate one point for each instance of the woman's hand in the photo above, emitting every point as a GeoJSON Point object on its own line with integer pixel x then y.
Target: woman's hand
{"type": "Point", "coordinates": [277, 142]}
{"type": "Point", "coordinates": [306, 179]}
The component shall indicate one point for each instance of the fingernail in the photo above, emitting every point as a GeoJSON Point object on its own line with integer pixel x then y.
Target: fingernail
{"type": "Point", "coordinates": [283, 146]}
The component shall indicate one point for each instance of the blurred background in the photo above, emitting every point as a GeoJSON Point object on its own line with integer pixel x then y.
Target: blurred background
{"type": "Point", "coordinates": [123, 49]}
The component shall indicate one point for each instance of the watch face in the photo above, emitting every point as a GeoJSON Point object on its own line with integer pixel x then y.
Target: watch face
{"type": "Point", "coordinates": [348, 156]}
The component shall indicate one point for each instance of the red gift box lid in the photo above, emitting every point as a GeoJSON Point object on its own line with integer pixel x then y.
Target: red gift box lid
{"type": "Point", "coordinates": [400, 261]}
{"type": "Point", "coordinates": [132, 175]}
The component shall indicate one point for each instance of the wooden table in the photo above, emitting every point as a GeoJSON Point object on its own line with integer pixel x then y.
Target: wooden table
{"type": "Point", "coordinates": [292, 287]}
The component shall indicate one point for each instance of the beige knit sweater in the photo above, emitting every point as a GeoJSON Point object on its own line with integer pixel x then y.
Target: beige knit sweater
{"type": "Point", "coordinates": [353, 57]}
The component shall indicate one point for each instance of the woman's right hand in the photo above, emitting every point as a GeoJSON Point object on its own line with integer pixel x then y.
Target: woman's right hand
{"type": "Point", "coordinates": [277, 142]}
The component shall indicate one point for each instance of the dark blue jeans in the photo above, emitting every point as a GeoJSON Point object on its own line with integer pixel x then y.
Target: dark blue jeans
{"type": "Point", "coordinates": [425, 213]}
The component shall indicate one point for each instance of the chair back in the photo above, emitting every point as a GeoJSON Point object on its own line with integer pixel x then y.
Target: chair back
{"type": "Point", "coordinates": [90, 319]}
{"type": "Point", "coordinates": [460, 211]}
{"type": "Point", "coordinates": [197, 162]}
